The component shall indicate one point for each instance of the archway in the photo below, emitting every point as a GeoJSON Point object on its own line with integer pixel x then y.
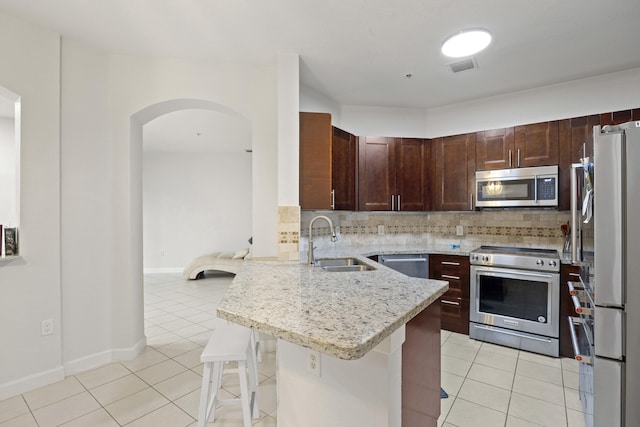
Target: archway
{"type": "Point", "coordinates": [137, 122]}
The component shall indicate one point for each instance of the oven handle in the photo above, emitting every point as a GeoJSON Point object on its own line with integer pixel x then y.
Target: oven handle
{"type": "Point", "coordinates": [515, 334]}
{"type": "Point", "coordinates": [512, 272]}
{"type": "Point", "coordinates": [574, 321]}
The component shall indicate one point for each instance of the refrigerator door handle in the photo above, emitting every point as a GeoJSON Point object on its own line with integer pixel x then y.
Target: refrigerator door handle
{"type": "Point", "coordinates": [575, 220]}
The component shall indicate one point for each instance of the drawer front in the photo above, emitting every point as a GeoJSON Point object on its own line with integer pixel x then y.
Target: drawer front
{"type": "Point", "coordinates": [453, 269]}
{"type": "Point", "coordinates": [454, 314]}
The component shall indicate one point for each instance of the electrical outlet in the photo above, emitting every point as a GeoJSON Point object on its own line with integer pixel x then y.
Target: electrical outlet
{"type": "Point", "coordinates": [313, 362]}
{"type": "Point", "coordinates": [337, 228]}
{"type": "Point", "coordinates": [381, 229]}
{"type": "Point", "coordinates": [459, 230]}
{"type": "Point", "coordinates": [47, 327]}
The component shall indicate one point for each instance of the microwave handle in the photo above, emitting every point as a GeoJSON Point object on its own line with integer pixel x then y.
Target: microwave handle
{"type": "Point", "coordinates": [535, 188]}
{"type": "Point", "coordinates": [575, 221]}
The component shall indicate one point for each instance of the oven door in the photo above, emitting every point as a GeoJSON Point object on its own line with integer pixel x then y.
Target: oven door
{"type": "Point", "coordinates": [519, 300]}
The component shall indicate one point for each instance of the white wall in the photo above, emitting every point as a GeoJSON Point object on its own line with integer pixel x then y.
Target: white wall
{"type": "Point", "coordinates": [384, 121]}
{"type": "Point", "coordinates": [312, 101]}
{"type": "Point", "coordinates": [609, 92]}
{"type": "Point", "coordinates": [7, 172]}
{"type": "Point", "coordinates": [194, 204]}
{"type": "Point", "coordinates": [30, 287]}
{"type": "Point", "coordinates": [88, 232]}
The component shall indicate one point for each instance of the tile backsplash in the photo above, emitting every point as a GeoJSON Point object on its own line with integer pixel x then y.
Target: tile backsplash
{"type": "Point", "coordinates": [515, 227]}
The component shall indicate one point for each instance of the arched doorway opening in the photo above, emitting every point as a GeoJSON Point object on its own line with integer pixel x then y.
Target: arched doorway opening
{"type": "Point", "coordinates": [177, 230]}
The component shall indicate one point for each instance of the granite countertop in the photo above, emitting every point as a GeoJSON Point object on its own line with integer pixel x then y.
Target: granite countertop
{"type": "Point", "coordinates": [343, 314]}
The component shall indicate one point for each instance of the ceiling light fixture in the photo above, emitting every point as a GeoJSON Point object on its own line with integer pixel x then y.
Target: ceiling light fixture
{"type": "Point", "coordinates": [466, 43]}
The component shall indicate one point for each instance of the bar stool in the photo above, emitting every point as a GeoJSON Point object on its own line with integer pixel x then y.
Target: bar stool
{"type": "Point", "coordinates": [229, 343]}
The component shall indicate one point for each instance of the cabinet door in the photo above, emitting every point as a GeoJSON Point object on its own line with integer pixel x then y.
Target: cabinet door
{"type": "Point", "coordinates": [494, 149]}
{"type": "Point", "coordinates": [376, 174]}
{"type": "Point", "coordinates": [576, 140]}
{"type": "Point", "coordinates": [344, 168]}
{"type": "Point", "coordinates": [454, 166]}
{"type": "Point", "coordinates": [567, 273]}
{"type": "Point", "coordinates": [536, 145]}
{"type": "Point", "coordinates": [315, 161]}
{"type": "Point", "coordinates": [618, 117]}
{"type": "Point", "coordinates": [412, 179]}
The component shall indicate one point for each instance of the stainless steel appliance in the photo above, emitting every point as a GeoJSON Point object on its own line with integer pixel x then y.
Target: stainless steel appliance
{"type": "Point", "coordinates": [515, 297]}
{"type": "Point", "coordinates": [521, 187]}
{"type": "Point", "coordinates": [607, 333]}
{"type": "Point", "coordinates": [413, 265]}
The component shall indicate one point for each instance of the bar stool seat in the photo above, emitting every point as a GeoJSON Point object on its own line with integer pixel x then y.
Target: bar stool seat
{"type": "Point", "coordinates": [229, 343]}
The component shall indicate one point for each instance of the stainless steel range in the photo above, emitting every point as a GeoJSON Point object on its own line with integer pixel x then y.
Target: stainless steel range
{"type": "Point", "coordinates": [515, 297]}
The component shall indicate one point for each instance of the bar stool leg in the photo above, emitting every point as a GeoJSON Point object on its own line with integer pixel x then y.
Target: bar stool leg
{"type": "Point", "coordinates": [253, 383]}
{"type": "Point", "coordinates": [244, 393]}
{"type": "Point", "coordinates": [204, 395]}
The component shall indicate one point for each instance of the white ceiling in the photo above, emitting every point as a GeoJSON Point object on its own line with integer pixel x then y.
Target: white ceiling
{"type": "Point", "coordinates": [358, 52]}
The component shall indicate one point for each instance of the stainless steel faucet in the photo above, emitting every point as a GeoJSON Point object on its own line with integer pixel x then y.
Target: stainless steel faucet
{"type": "Point", "coordinates": [311, 260]}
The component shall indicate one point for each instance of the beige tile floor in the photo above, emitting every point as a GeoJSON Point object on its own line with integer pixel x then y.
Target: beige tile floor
{"type": "Point", "coordinates": [488, 385]}
{"type": "Point", "coordinates": [161, 387]}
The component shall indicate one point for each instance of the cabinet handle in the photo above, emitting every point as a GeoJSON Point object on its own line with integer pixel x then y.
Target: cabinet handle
{"type": "Point", "coordinates": [470, 201]}
{"type": "Point", "coordinates": [392, 207]}
{"type": "Point", "coordinates": [449, 277]}
{"type": "Point", "coordinates": [444, 301]}
{"type": "Point", "coordinates": [574, 274]}
{"type": "Point", "coordinates": [510, 158]}
{"type": "Point", "coordinates": [333, 199]}
{"type": "Point", "coordinates": [449, 263]}
{"type": "Point", "coordinates": [518, 157]}
{"type": "Point", "coordinates": [399, 202]}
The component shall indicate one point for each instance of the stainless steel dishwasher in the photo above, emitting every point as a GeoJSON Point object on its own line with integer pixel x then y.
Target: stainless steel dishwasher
{"type": "Point", "coordinates": [414, 265]}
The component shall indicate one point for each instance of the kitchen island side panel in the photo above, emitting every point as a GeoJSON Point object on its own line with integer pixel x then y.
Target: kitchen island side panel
{"type": "Point", "coordinates": [421, 369]}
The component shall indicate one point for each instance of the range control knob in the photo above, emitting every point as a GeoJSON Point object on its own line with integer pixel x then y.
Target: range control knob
{"type": "Point", "coordinates": [474, 257]}
{"type": "Point", "coordinates": [552, 263]}
{"type": "Point", "coordinates": [485, 258]}
{"type": "Point", "coordinates": [539, 262]}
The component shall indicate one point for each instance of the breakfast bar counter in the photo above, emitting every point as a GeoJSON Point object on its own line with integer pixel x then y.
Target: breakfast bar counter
{"type": "Point", "coordinates": [355, 320]}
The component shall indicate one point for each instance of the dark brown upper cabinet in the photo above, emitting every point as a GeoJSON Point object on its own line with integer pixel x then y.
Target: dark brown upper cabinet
{"type": "Point", "coordinates": [315, 161]}
{"type": "Point", "coordinates": [536, 144]}
{"type": "Point", "coordinates": [522, 146]}
{"type": "Point", "coordinates": [327, 164]}
{"type": "Point", "coordinates": [618, 117]}
{"type": "Point", "coordinates": [454, 165]}
{"type": "Point", "coordinates": [344, 153]}
{"type": "Point", "coordinates": [494, 149]}
{"type": "Point", "coordinates": [576, 142]}
{"type": "Point", "coordinates": [393, 174]}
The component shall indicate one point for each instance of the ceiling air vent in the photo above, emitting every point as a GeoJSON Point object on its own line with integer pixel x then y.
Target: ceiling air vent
{"type": "Point", "coordinates": [464, 65]}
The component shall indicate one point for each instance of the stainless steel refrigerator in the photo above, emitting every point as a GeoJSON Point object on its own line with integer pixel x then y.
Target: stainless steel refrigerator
{"type": "Point", "coordinates": [610, 319]}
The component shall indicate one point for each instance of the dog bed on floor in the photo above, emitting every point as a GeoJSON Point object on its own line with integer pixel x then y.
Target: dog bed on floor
{"type": "Point", "coordinates": [231, 262]}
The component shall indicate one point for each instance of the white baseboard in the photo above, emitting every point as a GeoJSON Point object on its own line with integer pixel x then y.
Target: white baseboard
{"type": "Point", "coordinates": [104, 358]}
{"type": "Point", "coordinates": [31, 382]}
{"type": "Point", "coordinates": [163, 270]}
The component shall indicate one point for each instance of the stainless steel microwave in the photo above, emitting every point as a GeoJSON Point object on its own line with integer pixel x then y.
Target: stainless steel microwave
{"type": "Point", "coordinates": [521, 187]}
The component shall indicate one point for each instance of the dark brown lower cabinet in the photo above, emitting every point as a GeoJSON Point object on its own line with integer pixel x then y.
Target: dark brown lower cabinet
{"type": "Point", "coordinates": [421, 369]}
{"type": "Point", "coordinates": [454, 304]}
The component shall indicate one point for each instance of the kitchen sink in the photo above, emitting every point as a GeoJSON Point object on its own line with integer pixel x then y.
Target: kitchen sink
{"type": "Point", "coordinates": [345, 268]}
{"type": "Point", "coordinates": [342, 264]}
{"type": "Point", "coordinates": [338, 262]}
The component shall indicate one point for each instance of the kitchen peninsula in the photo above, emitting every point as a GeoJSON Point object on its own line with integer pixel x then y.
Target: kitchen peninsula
{"type": "Point", "coordinates": [367, 326]}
